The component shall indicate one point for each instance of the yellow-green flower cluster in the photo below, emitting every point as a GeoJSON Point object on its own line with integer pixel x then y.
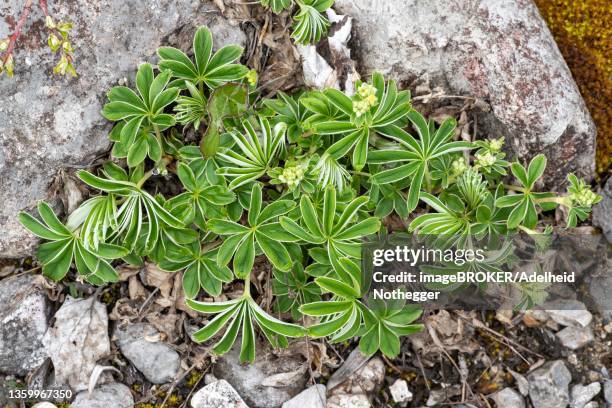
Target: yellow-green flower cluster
{"type": "Point", "coordinates": [458, 166]}
{"type": "Point", "coordinates": [368, 99]}
{"type": "Point", "coordinates": [292, 175]}
{"type": "Point", "coordinates": [496, 144]}
{"type": "Point", "coordinates": [485, 160]}
{"type": "Point", "coordinates": [584, 197]}
{"type": "Point", "coordinates": [252, 77]}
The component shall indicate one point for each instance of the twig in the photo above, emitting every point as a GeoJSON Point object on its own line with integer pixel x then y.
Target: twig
{"type": "Point", "coordinates": [184, 404]}
{"type": "Point", "coordinates": [422, 370]}
{"type": "Point", "coordinates": [175, 383]}
{"type": "Point", "coordinates": [13, 38]}
{"type": "Point", "coordinates": [507, 341]}
{"type": "Point", "coordinates": [146, 303]}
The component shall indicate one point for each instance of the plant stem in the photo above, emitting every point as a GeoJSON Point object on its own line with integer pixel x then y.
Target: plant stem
{"type": "Point", "coordinates": [247, 286]}
{"type": "Point", "coordinates": [514, 188]}
{"type": "Point", "coordinates": [562, 200]}
{"type": "Point", "coordinates": [427, 179]}
{"type": "Point", "coordinates": [360, 173]}
{"type": "Point", "coordinates": [13, 38]}
{"type": "Point", "coordinates": [164, 161]}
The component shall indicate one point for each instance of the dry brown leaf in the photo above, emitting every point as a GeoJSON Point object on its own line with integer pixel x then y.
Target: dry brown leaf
{"type": "Point", "coordinates": [170, 325]}
{"type": "Point", "coordinates": [135, 289]}
{"type": "Point", "coordinates": [124, 311]}
{"type": "Point", "coordinates": [153, 276]}
{"type": "Point", "coordinates": [179, 294]}
{"type": "Point", "coordinates": [126, 271]}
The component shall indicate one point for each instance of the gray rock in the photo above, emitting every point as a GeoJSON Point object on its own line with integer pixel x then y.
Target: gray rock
{"type": "Point", "coordinates": [342, 400]}
{"type": "Point", "coordinates": [24, 319]}
{"type": "Point", "coordinates": [250, 379]}
{"type": "Point", "coordinates": [439, 395]}
{"type": "Point", "coordinates": [583, 394]}
{"type": "Point", "coordinates": [358, 374]}
{"type": "Point", "coordinates": [548, 385]}
{"type": "Point", "coordinates": [608, 392]}
{"type": "Point", "coordinates": [218, 394]}
{"type": "Point", "coordinates": [602, 212]}
{"type": "Point", "coordinates": [575, 337]}
{"type": "Point", "coordinates": [106, 396]}
{"type": "Point", "coordinates": [48, 122]}
{"type": "Point", "coordinates": [400, 392]}
{"type": "Point", "coordinates": [77, 340]}
{"type": "Point", "coordinates": [499, 51]}
{"type": "Point", "coordinates": [157, 361]}
{"type": "Point", "coordinates": [311, 397]}
{"type": "Point", "coordinates": [600, 288]}
{"type": "Point", "coordinates": [521, 383]}
{"type": "Point", "coordinates": [592, 404]}
{"type": "Point", "coordinates": [568, 312]}
{"type": "Point", "coordinates": [508, 398]}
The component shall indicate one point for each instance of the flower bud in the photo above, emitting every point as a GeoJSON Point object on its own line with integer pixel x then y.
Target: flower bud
{"type": "Point", "coordinates": [62, 65]}
{"type": "Point", "coordinates": [54, 42]}
{"type": "Point", "coordinates": [49, 22]}
{"type": "Point", "coordinates": [64, 27]}
{"type": "Point", "coordinates": [252, 77]}
{"type": "Point", "coordinates": [4, 45]}
{"type": "Point", "coordinates": [496, 144]}
{"type": "Point", "coordinates": [67, 47]}
{"type": "Point", "coordinates": [8, 66]}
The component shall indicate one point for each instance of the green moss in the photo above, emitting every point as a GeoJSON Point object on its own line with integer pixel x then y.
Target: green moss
{"type": "Point", "coordinates": [582, 30]}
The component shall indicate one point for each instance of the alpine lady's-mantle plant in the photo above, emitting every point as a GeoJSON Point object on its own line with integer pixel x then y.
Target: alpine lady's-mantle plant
{"type": "Point", "coordinates": [296, 182]}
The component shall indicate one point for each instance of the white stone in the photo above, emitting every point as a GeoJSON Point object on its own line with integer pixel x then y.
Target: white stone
{"type": "Point", "coordinates": [400, 392]}
{"type": "Point", "coordinates": [548, 385]}
{"type": "Point", "coordinates": [583, 394]}
{"type": "Point", "coordinates": [311, 397]}
{"type": "Point", "coordinates": [575, 337]}
{"type": "Point", "coordinates": [106, 396]}
{"type": "Point", "coordinates": [219, 394]}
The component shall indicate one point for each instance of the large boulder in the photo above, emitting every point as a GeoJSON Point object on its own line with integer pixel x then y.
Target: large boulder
{"type": "Point", "coordinates": [48, 122]}
{"type": "Point", "coordinates": [497, 50]}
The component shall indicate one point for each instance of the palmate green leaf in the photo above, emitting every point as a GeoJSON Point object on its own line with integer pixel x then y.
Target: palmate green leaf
{"type": "Point", "coordinates": [384, 323]}
{"type": "Point", "coordinates": [246, 314]}
{"type": "Point", "coordinates": [418, 154]}
{"type": "Point", "coordinates": [340, 234]}
{"type": "Point", "coordinates": [276, 5]}
{"type": "Point", "coordinates": [210, 69]}
{"type": "Point", "coordinates": [291, 111]}
{"type": "Point", "coordinates": [201, 200]}
{"type": "Point", "coordinates": [142, 112]}
{"type": "Point", "coordinates": [139, 214]}
{"type": "Point", "coordinates": [310, 23]}
{"type": "Point", "coordinates": [255, 157]}
{"type": "Point", "coordinates": [391, 108]}
{"type": "Point", "coordinates": [522, 205]}
{"type": "Point", "coordinates": [65, 248]}
{"type": "Point", "coordinates": [200, 269]}
{"type": "Point", "coordinates": [239, 240]}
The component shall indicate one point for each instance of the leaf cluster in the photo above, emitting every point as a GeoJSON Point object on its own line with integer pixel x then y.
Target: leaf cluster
{"type": "Point", "coordinates": [293, 185]}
